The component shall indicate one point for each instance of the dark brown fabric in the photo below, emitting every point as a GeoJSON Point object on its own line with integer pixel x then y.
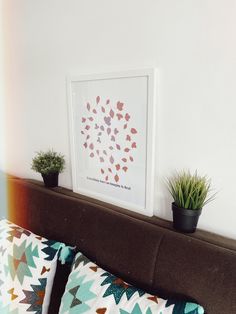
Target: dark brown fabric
{"type": "Point", "coordinates": [58, 288]}
{"type": "Point", "coordinates": [143, 251]}
{"type": "Point", "coordinates": [200, 270]}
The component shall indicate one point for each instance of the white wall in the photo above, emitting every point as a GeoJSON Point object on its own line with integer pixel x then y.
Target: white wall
{"type": "Point", "coordinates": [191, 42]}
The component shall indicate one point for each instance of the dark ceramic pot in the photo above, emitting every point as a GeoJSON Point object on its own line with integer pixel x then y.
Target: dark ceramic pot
{"type": "Point", "coordinates": [185, 220]}
{"type": "Point", "coordinates": [51, 179]}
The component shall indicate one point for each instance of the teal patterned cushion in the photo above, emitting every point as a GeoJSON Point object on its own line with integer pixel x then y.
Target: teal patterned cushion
{"type": "Point", "coordinates": [90, 289]}
{"type": "Point", "coordinates": [27, 268]}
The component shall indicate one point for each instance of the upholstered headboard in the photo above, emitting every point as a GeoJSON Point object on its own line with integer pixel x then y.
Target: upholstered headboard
{"type": "Point", "coordinates": [144, 251]}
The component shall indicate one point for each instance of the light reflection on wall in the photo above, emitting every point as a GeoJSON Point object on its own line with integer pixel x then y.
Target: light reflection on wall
{"type": "Point", "coordinates": [3, 186]}
{"type": "Point", "coordinates": [3, 196]}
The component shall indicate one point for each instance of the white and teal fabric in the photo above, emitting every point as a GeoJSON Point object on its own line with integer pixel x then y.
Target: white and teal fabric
{"type": "Point", "coordinates": [90, 289]}
{"type": "Point", "coordinates": [27, 268]}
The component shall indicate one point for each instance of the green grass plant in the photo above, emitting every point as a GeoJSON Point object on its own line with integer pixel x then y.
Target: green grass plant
{"type": "Point", "coordinates": [190, 191]}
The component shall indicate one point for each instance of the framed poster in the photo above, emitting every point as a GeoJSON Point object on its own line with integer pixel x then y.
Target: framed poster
{"type": "Point", "coordinates": [112, 119]}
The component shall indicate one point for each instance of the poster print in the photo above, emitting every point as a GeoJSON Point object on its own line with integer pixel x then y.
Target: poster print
{"type": "Point", "coordinates": [111, 135]}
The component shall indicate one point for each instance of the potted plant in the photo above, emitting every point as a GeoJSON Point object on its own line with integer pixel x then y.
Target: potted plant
{"type": "Point", "coordinates": [190, 193]}
{"type": "Point", "coordinates": [49, 164]}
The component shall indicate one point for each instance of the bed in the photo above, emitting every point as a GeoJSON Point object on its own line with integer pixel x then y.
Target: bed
{"type": "Point", "coordinates": [145, 252]}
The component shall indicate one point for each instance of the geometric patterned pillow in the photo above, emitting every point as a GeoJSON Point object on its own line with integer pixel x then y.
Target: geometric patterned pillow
{"type": "Point", "coordinates": [90, 289]}
{"type": "Point", "coordinates": [27, 268]}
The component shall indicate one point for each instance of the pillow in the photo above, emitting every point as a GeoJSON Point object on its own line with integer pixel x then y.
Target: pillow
{"type": "Point", "coordinates": [27, 268]}
{"type": "Point", "coordinates": [90, 289]}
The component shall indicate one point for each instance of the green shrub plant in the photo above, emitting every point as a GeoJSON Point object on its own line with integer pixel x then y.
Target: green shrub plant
{"type": "Point", "coordinates": [48, 162]}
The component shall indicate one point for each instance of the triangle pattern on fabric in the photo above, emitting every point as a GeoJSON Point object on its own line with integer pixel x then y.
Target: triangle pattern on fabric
{"type": "Point", "coordinates": [101, 310]}
{"type": "Point", "coordinates": [13, 296]}
{"type": "Point", "coordinates": [75, 300]}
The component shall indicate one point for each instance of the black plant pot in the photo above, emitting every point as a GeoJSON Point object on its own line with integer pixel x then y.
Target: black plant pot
{"type": "Point", "coordinates": [50, 179]}
{"type": "Point", "coordinates": [185, 220]}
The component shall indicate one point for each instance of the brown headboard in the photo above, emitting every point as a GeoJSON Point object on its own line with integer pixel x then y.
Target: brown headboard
{"type": "Point", "coordinates": [144, 251]}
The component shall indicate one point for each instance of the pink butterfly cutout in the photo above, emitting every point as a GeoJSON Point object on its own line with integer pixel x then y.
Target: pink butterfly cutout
{"type": "Point", "coordinates": [97, 99]}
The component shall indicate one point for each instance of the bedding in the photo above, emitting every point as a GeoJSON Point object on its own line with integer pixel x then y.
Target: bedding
{"type": "Point", "coordinates": [144, 251]}
{"type": "Point", "coordinates": [90, 289]}
{"type": "Point", "coordinates": [27, 268]}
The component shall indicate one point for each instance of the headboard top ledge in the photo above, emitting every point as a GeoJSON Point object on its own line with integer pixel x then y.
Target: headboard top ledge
{"type": "Point", "coordinates": [144, 251]}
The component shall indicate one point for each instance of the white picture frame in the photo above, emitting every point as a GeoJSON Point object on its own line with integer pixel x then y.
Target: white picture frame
{"type": "Point", "coordinates": [112, 137]}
